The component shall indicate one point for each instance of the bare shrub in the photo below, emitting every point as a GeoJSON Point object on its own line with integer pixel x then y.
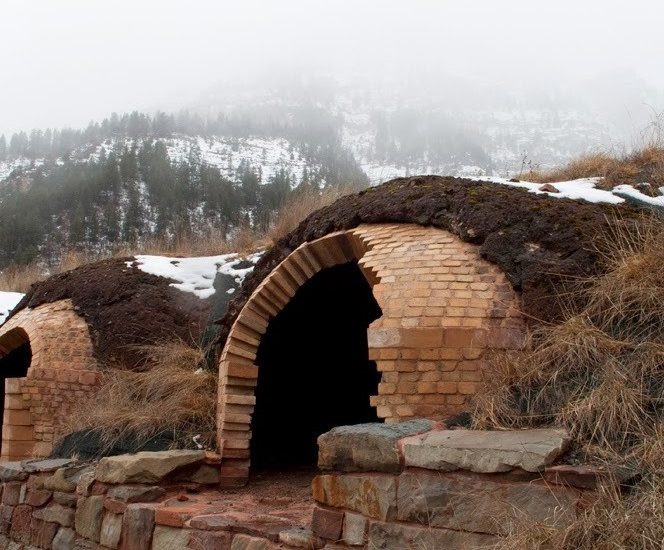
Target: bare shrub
{"type": "Point", "coordinates": [172, 394]}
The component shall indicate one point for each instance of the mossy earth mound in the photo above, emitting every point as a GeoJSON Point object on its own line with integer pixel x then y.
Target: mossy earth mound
{"type": "Point", "coordinates": [124, 308]}
{"type": "Point", "coordinates": [538, 241]}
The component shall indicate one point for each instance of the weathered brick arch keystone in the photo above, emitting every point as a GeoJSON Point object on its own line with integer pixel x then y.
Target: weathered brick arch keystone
{"type": "Point", "coordinates": [443, 307]}
{"type": "Point", "coordinates": [61, 372]}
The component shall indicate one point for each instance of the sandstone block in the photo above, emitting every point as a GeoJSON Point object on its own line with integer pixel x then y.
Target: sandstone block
{"type": "Point", "coordinates": [42, 533]}
{"type": "Point", "coordinates": [37, 497]}
{"type": "Point", "coordinates": [246, 542]}
{"type": "Point", "coordinates": [12, 471]}
{"type": "Point", "coordinates": [169, 538]}
{"type": "Point", "coordinates": [46, 465]}
{"type": "Point", "coordinates": [137, 493]}
{"type": "Point", "coordinates": [137, 527]}
{"type": "Point", "coordinates": [64, 539]}
{"type": "Point", "coordinates": [111, 529]}
{"type": "Point", "coordinates": [213, 540]}
{"type": "Point", "coordinates": [393, 536]}
{"type": "Point", "coordinates": [56, 513]}
{"type": "Point", "coordinates": [11, 493]}
{"type": "Point", "coordinates": [485, 451]}
{"type": "Point", "coordinates": [327, 523]}
{"type": "Point", "coordinates": [299, 537]}
{"type": "Point", "coordinates": [64, 480]}
{"type": "Point", "coordinates": [373, 495]}
{"type": "Point", "coordinates": [467, 502]}
{"type": "Point", "coordinates": [355, 529]}
{"type": "Point", "coordinates": [366, 447]}
{"type": "Point", "coordinates": [145, 467]}
{"type": "Point", "coordinates": [88, 517]}
{"type": "Point", "coordinates": [20, 524]}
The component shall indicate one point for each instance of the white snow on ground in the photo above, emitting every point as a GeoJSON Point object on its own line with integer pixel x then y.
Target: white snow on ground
{"type": "Point", "coordinates": [585, 189]}
{"type": "Point", "coordinates": [629, 191]}
{"type": "Point", "coordinates": [8, 301]}
{"type": "Point", "coordinates": [195, 274]}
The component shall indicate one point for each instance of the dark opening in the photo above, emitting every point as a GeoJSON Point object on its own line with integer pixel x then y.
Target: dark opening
{"type": "Point", "coordinates": [314, 371]}
{"type": "Point", "coordinates": [13, 365]}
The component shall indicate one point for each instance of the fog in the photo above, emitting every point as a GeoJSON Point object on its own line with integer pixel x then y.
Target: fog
{"type": "Point", "coordinates": [67, 62]}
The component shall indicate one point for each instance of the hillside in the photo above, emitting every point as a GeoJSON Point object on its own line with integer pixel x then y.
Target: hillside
{"type": "Point", "coordinates": [134, 178]}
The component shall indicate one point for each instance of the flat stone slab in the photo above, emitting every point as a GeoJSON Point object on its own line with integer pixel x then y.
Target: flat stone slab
{"type": "Point", "coordinates": [12, 471]}
{"type": "Point", "coordinates": [47, 464]}
{"type": "Point", "coordinates": [485, 451]}
{"type": "Point", "coordinates": [366, 447]}
{"type": "Point", "coordinates": [146, 466]}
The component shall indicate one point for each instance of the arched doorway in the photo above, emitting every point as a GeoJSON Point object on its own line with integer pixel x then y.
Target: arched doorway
{"type": "Point", "coordinates": [314, 371]}
{"type": "Point", "coordinates": [16, 431]}
{"type": "Point", "coordinates": [442, 305]}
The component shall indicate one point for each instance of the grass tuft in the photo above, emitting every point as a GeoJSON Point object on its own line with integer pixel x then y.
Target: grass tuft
{"type": "Point", "coordinates": [171, 394]}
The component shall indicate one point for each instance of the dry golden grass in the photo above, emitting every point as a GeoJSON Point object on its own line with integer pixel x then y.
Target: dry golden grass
{"type": "Point", "coordinates": [599, 374]}
{"type": "Point", "coordinates": [300, 205]}
{"type": "Point", "coordinates": [172, 394]}
{"type": "Point", "coordinates": [645, 165]}
{"type": "Point", "coordinates": [618, 520]}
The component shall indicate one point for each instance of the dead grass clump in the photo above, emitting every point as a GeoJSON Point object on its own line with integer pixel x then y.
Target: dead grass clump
{"type": "Point", "coordinates": [600, 372]}
{"type": "Point", "coordinates": [19, 278]}
{"type": "Point", "coordinates": [172, 394]}
{"type": "Point", "coordinates": [586, 166]}
{"type": "Point", "coordinates": [627, 519]}
{"type": "Point", "coordinates": [643, 168]}
{"type": "Point", "coordinates": [300, 205]}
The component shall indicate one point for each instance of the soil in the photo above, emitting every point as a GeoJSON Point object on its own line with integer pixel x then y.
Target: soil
{"type": "Point", "coordinates": [124, 307]}
{"type": "Point", "coordinates": [539, 242]}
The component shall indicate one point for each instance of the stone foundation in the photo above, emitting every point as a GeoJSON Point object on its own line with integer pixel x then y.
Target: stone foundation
{"type": "Point", "coordinates": [403, 486]}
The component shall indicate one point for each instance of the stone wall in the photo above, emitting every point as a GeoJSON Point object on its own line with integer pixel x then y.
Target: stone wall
{"type": "Point", "coordinates": [62, 373]}
{"type": "Point", "coordinates": [146, 501]}
{"type": "Point", "coordinates": [447, 489]}
{"type": "Point", "coordinates": [403, 486]}
{"type": "Point", "coordinates": [443, 307]}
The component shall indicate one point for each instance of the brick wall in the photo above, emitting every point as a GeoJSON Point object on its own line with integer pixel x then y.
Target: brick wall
{"type": "Point", "coordinates": [62, 373]}
{"type": "Point", "coordinates": [443, 307]}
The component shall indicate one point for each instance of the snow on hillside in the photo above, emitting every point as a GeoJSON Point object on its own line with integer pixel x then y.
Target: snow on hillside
{"type": "Point", "coordinates": [8, 301]}
{"type": "Point", "coordinates": [226, 153]}
{"type": "Point", "coordinates": [196, 274]}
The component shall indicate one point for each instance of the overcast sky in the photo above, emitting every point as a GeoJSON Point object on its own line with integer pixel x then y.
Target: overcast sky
{"type": "Point", "coordinates": [65, 62]}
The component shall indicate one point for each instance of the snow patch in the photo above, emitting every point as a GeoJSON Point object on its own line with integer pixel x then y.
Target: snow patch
{"type": "Point", "coordinates": [8, 301]}
{"type": "Point", "coordinates": [195, 274]}
{"type": "Point", "coordinates": [583, 189]}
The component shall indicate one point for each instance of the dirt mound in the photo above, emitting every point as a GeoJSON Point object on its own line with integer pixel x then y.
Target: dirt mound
{"type": "Point", "coordinates": [538, 241]}
{"type": "Point", "coordinates": [124, 307]}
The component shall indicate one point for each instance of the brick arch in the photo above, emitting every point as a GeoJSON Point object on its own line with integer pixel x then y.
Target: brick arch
{"type": "Point", "coordinates": [443, 307]}
{"type": "Point", "coordinates": [61, 373]}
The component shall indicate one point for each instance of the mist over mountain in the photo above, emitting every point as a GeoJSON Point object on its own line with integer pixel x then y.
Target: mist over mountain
{"type": "Point", "coordinates": [238, 152]}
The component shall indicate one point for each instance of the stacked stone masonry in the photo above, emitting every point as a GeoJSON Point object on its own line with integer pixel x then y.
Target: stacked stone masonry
{"type": "Point", "coordinates": [443, 308]}
{"type": "Point", "coordinates": [62, 373]}
{"type": "Point", "coordinates": [467, 494]}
